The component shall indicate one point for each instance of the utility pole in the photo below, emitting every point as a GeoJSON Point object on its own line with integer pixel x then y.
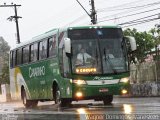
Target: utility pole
{"type": "Point", "coordinates": [93, 14]}
{"type": "Point", "coordinates": [15, 17]}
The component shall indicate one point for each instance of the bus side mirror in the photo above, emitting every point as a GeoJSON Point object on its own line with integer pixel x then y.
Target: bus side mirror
{"type": "Point", "coordinates": [132, 42]}
{"type": "Point", "coordinates": [67, 45]}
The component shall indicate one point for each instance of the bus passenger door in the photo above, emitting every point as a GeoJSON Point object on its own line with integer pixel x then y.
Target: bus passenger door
{"type": "Point", "coordinates": [65, 71]}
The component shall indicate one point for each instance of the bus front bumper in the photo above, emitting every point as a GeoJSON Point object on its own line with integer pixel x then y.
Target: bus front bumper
{"type": "Point", "coordinates": [99, 91]}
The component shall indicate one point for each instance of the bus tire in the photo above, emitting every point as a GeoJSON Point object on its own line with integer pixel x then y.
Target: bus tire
{"type": "Point", "coordinates": [34, 103]}
{"type": "Point", "coordinates": [61, 102]}
{"type": "Point", "coordinates": [58, 100]}
{"type": "Point", "coordinates": [108, 99]}
{"type": "Point", "coordinates": [28, 103]}
{"type": "Point", "coordinates": [66, 102]}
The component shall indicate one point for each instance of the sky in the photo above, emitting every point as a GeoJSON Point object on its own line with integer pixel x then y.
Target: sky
{"type": "Point", "coordinates": [39, 16]}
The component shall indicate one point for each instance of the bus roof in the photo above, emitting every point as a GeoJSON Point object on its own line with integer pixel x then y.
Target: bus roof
{"type": "Point", "coordinates": [37, 38]}
{"type": "Point", "coordinates": [94, 26]}
{"type": "Point", "coordinates": [55, 30]}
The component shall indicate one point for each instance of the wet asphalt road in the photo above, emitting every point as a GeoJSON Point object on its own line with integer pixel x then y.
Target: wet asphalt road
{"type": "Point", "coordinates": [121, 108]}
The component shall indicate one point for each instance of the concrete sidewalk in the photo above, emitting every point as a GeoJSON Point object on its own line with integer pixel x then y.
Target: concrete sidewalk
{"type": "Point", "coordinates": [1, 98]}
{"type": "Point", "coordinates": [4, 98]}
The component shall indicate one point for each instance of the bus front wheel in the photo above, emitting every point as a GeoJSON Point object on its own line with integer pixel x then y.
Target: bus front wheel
{"type": "Point", "coordinates": [28, 103]}
{"type": "Point", "coordinates": [61, 102]}
{"type": "Point", "coordinates": [108, 99]}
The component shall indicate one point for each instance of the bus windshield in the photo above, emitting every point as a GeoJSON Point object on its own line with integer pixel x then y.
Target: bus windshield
{"type": "Point", "coordinates": [98, 51]}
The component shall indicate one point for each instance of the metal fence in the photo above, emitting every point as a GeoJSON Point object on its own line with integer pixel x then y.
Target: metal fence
{"type": "Point", "coordinates": [145, 79]}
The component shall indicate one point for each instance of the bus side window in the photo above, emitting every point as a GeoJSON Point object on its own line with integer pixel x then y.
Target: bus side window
{"type": "Point", "coordinates": [52, 47]}
{"type": "Point", "coordinates": [11, 59]}
{"type": "Point", "coordinates": [25, 54]}
{"type": "Point", "coordinates": [39, 50]}
{"type": "Point", "coordinates": [14, 56]}
{"type": "Point", "coordinates": [18, 57]}
{"type": "Point", "coordinates": [35, 52]}
{"type": "Point", "coordinates": [43, 49]}
{"type": "Point", "coordinates": [31, 55]}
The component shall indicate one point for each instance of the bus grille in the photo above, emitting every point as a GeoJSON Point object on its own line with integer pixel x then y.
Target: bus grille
{"type": "Point", "coordinates": [102, 82]}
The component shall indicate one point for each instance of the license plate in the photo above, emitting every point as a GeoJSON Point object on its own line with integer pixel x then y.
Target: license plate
{"type": "Point", "coordinates": [103, 90]}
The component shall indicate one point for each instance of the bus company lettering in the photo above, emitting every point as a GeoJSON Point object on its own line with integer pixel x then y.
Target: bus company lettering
{"type": "Point", "coordinates": [102, 78]}
{"type": "Point", "coordinates": [35, 72]}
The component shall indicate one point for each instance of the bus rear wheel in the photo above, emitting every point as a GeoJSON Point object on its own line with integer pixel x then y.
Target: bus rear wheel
{"type": "Point", "coordinates": [108, 99]}
{"type": "Point", "coordinates": [28, 103]}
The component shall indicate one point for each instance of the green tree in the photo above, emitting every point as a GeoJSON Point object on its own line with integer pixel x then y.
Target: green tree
{"type": "Point", "coordinates": [144, 40]}
{"type": "Point", "coordinates": [5, 75]}
{"type": "Point", "coordinates": [4, 61]}
{"type": "Point", "coordinates": [155, 32]}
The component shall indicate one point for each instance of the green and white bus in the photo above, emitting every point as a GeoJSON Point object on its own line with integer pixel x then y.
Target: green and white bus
{"type": "Point", "coordinates": [46, 67]}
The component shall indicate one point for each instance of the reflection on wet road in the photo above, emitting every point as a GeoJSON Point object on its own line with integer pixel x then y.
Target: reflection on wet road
{"type": "Point", "coordinates": [86, 110]}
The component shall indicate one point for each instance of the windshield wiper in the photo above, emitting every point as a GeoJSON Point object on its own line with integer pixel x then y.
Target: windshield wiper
{"type": "Point", "coordinates": [106, 58]}
{"type": "Point", "coordinates": [96, 56]}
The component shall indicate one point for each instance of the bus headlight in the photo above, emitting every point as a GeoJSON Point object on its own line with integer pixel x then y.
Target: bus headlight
{"type": "Point", "coordinates": [124, 91]}
{"type": "Point", "coordinates": [124, 80]}
{"type": "Point", "coordinates": [79, 94]}
{"type": "Point", "coordinates": [79, 82]}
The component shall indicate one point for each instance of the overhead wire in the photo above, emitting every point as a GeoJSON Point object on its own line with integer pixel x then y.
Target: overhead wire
{"type": "Point", "coordinates": [122, 5]}
{"type": "Point", "coordinates": [136, 20]}
{"type": "Point", "coordinates": [141, 22]}
{"type": "Point", "coordinates": [124, 12]}
{"type": "Point", "coordinates": [77, 19]}
{"type": "Point", "coordinates": [138, 6]}
{"type": "Point", "coordinates": [129, 15]}
{"type": "Point", "coordinates": [132, 8]}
